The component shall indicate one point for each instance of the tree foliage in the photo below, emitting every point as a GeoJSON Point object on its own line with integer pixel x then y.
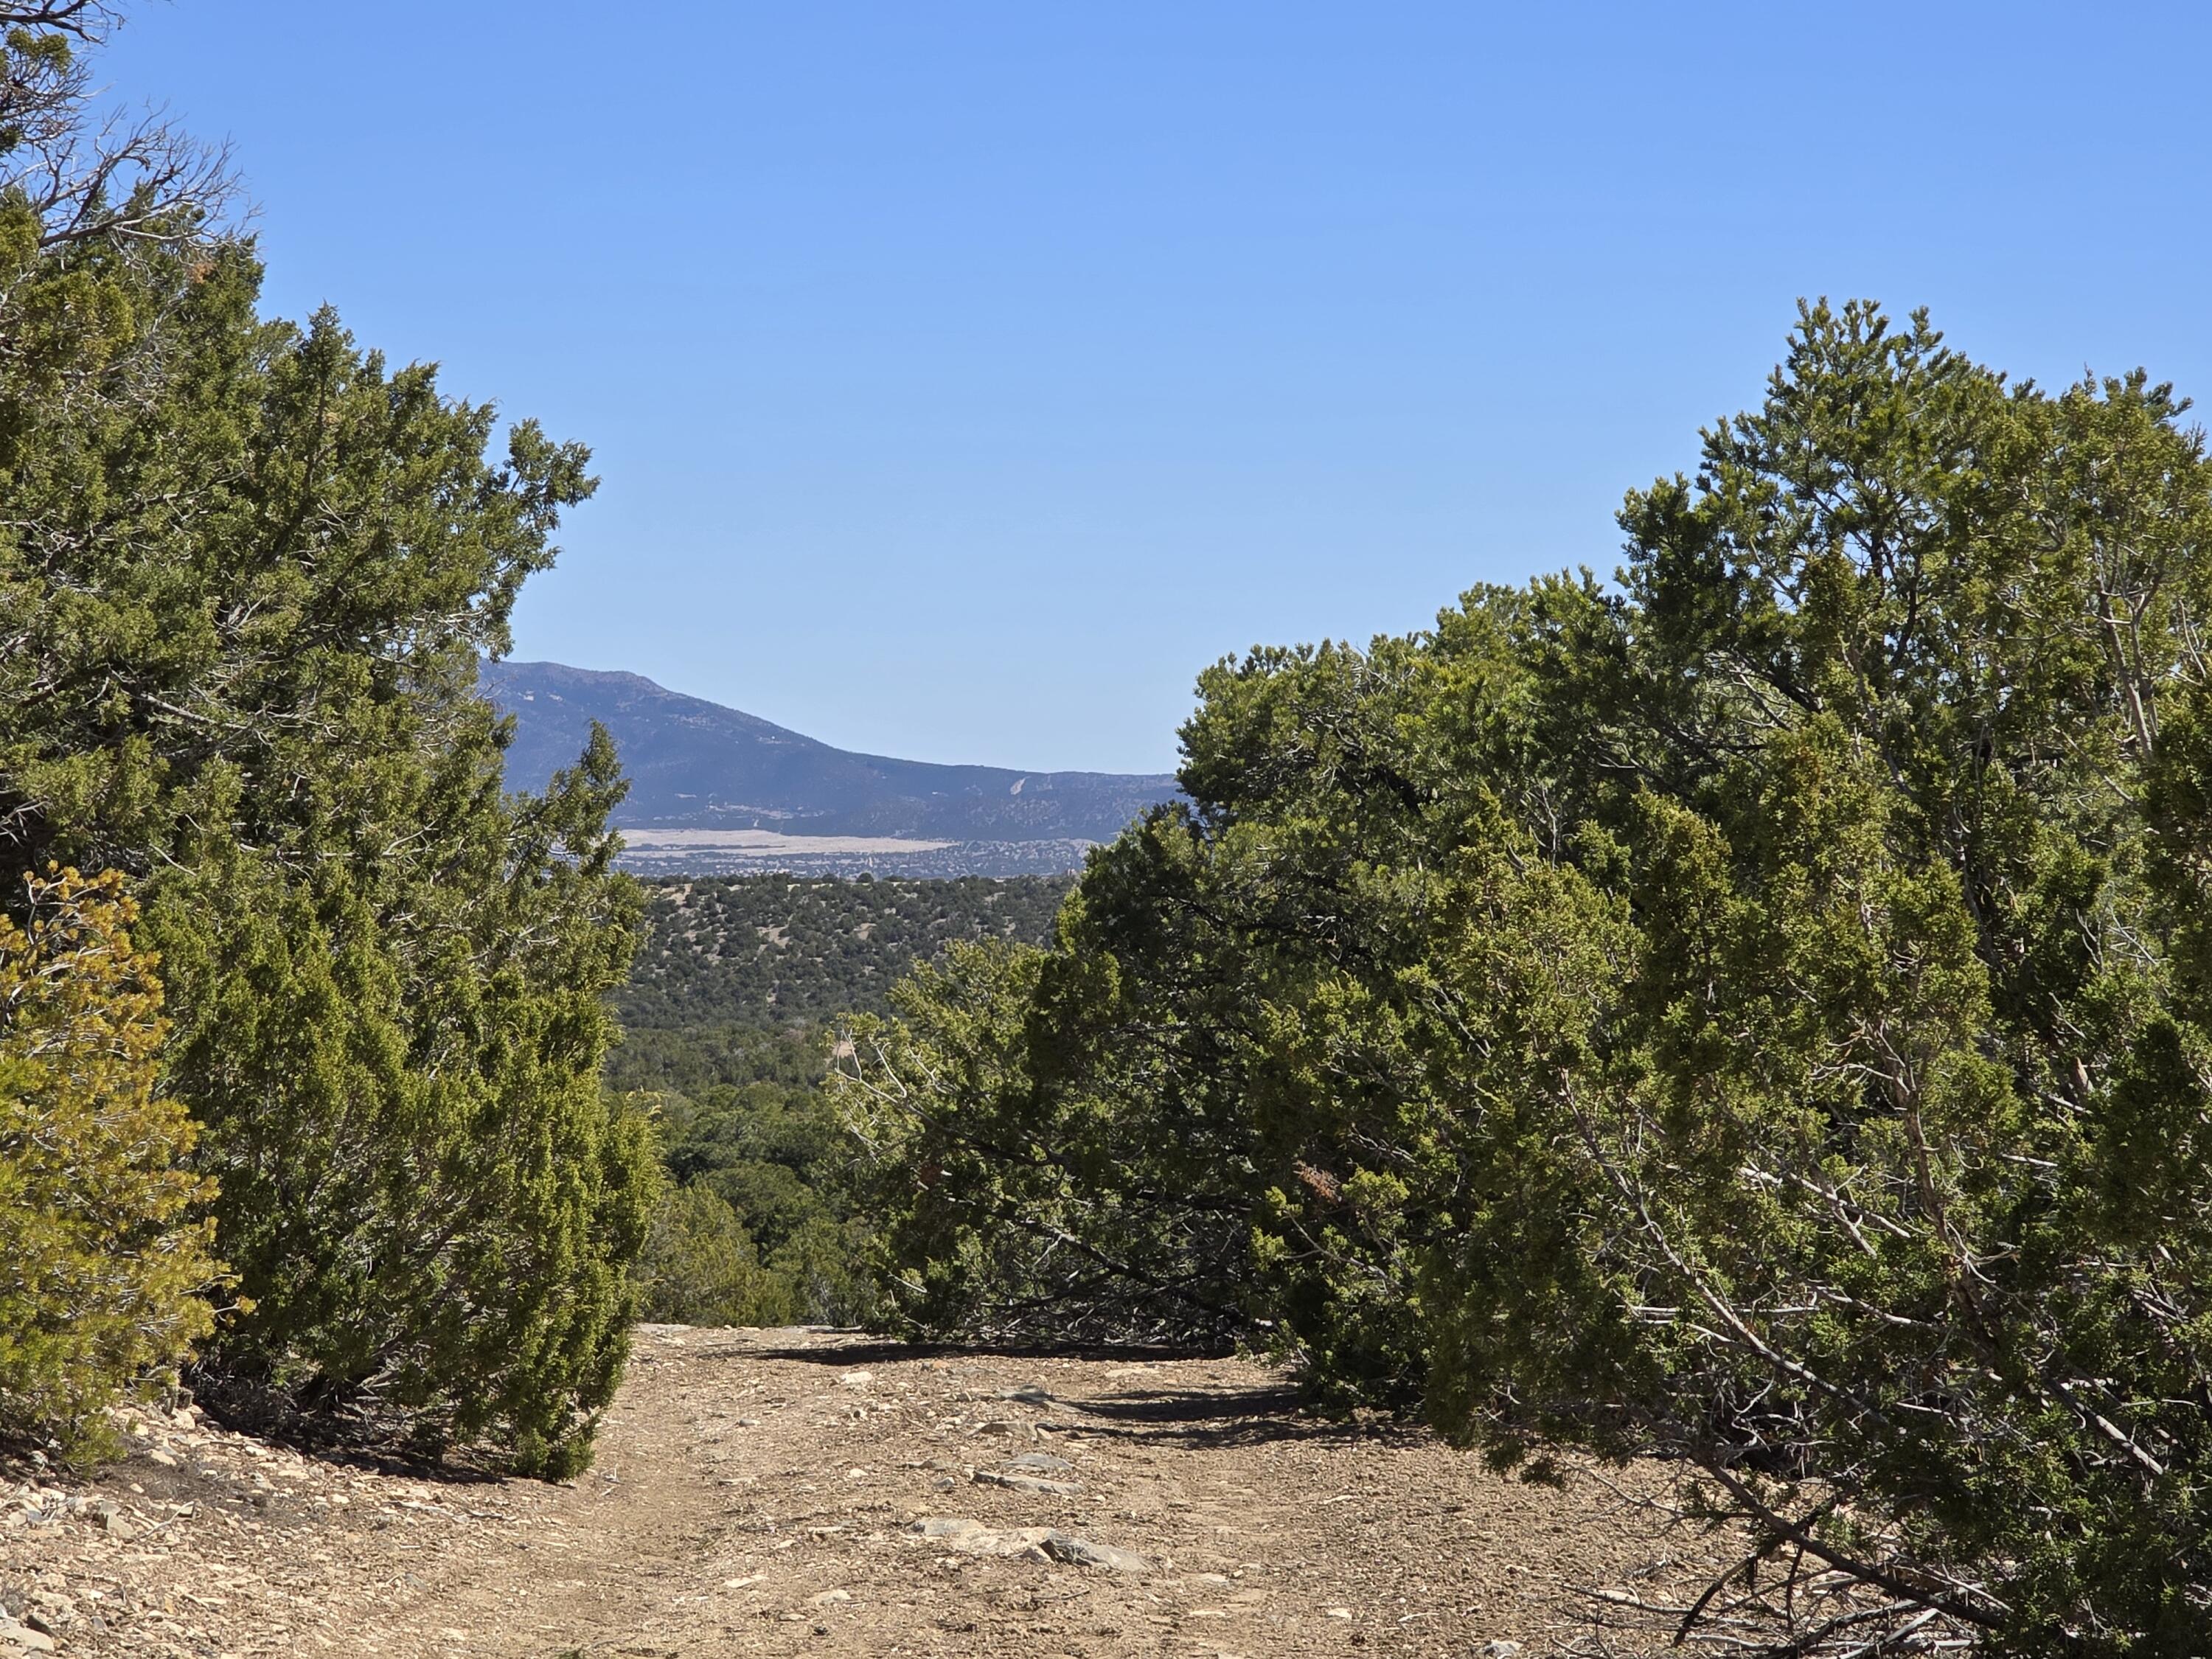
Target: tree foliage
{"type": "Point", "coordinates": [1753, 1012]}
{"type": "Point", "coordinates": [247, 571]}
{"type": "Point", "coordinates": [102, 1264]}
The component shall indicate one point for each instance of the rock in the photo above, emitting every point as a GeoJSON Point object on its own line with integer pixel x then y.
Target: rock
{"type": "Point", "coordinates": [1083, 1552]}
{"type": "Point", "coordinates": [17, 1640]}
{"type": "Point", "coordinates": [948, 1526]}
{"type": "Point", "coordinates": [974, 1538]}
{"type": "Point", "coordinates": [49, 1611]}
{"type": "Point", "coordinates": [857, 1379]}
{"type": "Point", "coordinates": [1031, 1483]}
{"type": "Point", "coordinates": [830, 1598]}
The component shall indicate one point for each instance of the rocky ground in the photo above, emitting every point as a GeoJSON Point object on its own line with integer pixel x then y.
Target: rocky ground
{"type": "Point", "coordinates": [765, 1493]}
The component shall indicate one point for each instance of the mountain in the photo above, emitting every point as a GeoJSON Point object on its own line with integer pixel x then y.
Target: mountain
{"type": "Point", "coordinates": [713, 789]}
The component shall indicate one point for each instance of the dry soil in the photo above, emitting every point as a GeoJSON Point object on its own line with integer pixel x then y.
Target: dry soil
{"type": "Point", "coordinates": [764, 1492]}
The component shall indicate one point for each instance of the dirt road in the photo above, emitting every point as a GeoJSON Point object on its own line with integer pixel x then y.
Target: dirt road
{"type": "Point", "coordinates": [765, 1493]}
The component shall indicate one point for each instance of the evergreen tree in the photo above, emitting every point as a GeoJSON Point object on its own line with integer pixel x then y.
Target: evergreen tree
{"type": "Point", "coordinates": [248, 570]}
{"type": "Point", "coordinates": [1754, 1014]}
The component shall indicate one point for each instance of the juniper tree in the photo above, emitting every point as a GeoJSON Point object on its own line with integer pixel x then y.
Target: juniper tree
{"type": "Point", "coordinates": [248, 570]}
{"type": "Point", "coordinates": [1753, 1012]}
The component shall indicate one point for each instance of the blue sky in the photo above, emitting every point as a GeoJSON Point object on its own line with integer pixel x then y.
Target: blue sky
{"type": "Point", "coordinates": [964, 377]}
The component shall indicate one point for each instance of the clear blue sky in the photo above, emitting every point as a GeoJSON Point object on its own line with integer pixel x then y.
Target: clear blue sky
{"type": "Point", "coordinates": [964, 377]}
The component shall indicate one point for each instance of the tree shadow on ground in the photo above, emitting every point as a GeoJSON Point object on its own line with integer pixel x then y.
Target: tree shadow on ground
{"type": "Point", "coordinates": [1212, 1417]}
{"type": "Point", "coordinates": [832, 1349]}
{"type": "Point", "coordinates": [1229, 1415]}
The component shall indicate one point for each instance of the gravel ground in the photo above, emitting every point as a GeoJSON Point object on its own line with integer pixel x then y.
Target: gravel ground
{"type": "Point", "coordinates": [794, 1492]}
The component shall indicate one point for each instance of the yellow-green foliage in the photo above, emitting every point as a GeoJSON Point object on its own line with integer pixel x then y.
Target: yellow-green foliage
{"type": "Point", "coordinates": [101, 1263]}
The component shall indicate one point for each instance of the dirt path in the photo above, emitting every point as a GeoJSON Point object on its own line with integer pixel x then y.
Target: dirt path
{"type": "Point", "coordinates": [759, 1492]}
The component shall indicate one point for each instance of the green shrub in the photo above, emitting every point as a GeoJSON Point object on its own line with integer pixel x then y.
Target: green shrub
{"type": "Point", "coordinates": [700, 1267]}
{"type": "Point", "coordinates": [101, 1261]}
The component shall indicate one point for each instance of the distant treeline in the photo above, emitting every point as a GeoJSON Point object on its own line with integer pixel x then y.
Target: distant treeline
{"type": "Point", "coordinates": [776, 950]}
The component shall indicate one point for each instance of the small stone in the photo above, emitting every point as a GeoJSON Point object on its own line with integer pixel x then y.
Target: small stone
{"type": "Point", "coordinates": [162, 1455]}
{"type": "Point", "coordinates": [1083, 1552]}
{"type": "Point", "coordinates": [50, 1611]}
{"type": "Point", "coordinates": [943, 1526]}
{"type": "Point", "coordinates": [749, 1422]}
{"type": "Point", "coordinates": [831, 1598]}
{"type": "Point", "coordinates": [1039, 1462]}
{"type": "Point", "coordinates": [1029, 1484]}
{"type": "Point", "coordinates": [1030, 1394]}
{"type": "Point", "coordinates": [1337, 1613]}
{"type": "Point", "coordinates": [974, 1538]}
{"type": "Point", "coordinates": [1498, 1649]}
{"type": "Point", "coordinates": [857, 1379]}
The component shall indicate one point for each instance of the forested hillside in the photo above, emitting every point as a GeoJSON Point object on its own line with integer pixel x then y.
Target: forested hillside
{"type": "Point", "coordinates": [773, 951]}
{"type": "Point", "coordinates": [738, 993]}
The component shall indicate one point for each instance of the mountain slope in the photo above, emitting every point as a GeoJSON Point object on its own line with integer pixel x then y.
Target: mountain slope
{"type": "Point", "coordinates": [696, 765]}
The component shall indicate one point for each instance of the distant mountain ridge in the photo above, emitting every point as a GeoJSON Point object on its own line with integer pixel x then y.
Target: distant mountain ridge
{"type": "Point", "coordinates": [696, 765]}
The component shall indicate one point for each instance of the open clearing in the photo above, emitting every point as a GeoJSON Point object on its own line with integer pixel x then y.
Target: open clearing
{"type": "Point", "coordinates": [759, 1492]}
